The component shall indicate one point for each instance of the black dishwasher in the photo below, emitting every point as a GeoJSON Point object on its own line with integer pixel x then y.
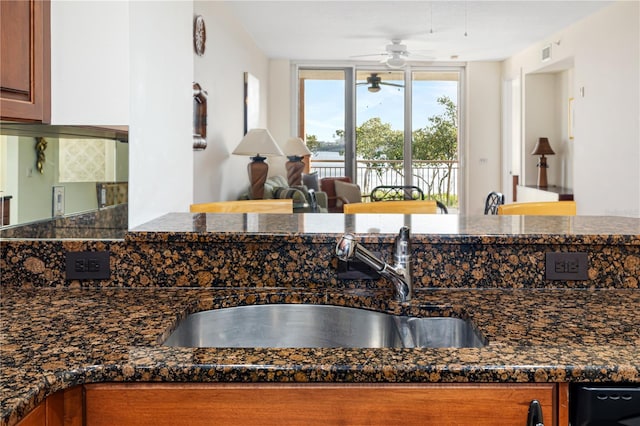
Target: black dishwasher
{"type": "Point", "coordinates": [604, 405]}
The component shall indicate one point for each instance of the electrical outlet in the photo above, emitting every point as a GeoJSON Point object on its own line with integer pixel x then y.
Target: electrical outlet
{"type": "Point", "coordinates": [567, 266]}
{"type": "Point", "coordinates": [88, 265]}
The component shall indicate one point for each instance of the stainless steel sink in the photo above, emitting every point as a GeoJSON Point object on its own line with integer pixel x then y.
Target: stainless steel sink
{"type": "Point", "coordinates": [319, 326]}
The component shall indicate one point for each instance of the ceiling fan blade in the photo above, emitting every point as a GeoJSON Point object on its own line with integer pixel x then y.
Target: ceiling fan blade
{"type": "Point", "coordinates": [369, 55]}
{"type": "Point", "coordinates": [392, 84]}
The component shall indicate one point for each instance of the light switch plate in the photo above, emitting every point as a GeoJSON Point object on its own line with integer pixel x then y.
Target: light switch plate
{"type": "Point", "coordinates": [58, 201]}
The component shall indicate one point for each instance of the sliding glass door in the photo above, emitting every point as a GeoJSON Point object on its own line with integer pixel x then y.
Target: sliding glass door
{"type": "Point", "coordinates": [384, 127]}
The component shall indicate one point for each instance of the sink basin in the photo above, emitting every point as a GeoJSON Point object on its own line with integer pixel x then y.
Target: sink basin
{"type": "Point", "coordinates": [319, 326]}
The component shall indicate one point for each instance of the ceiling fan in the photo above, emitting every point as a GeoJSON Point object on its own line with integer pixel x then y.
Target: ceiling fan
{"type": "Point", "coordinates": [395, 55]}
{"type": "Point", "coordinates": [374, 80]}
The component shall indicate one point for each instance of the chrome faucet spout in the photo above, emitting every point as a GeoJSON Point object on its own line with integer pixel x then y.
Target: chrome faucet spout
{"type": "Point", "coordinates": [400, 273]}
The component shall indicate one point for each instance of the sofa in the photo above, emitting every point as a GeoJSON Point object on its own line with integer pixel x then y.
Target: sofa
{"type": "Point", "coordinates": [278, 187]}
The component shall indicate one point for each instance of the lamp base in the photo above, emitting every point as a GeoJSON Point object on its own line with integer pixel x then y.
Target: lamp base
{"type": "Point", "coordinates": [258, 171]}
{"type": "Point", "coordinates": [542, 172]}
{"type": "Point", "coordinates": [295, 167]}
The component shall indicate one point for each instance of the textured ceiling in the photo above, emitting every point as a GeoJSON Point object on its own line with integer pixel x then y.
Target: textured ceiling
{"type": "Point", "coordinates": [339, 30]}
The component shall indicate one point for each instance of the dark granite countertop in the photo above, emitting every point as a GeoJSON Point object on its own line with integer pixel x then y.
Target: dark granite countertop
{"type": "Point", "coordinates": [52, 339]}
{"type": "Point", "coordinates": [325, 227]}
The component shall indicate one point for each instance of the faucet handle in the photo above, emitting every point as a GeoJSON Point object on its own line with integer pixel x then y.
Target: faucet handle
{"type": "Point", "coordinates": [346, 247]}
{"type": "Point", "coordinates": [402, 245]}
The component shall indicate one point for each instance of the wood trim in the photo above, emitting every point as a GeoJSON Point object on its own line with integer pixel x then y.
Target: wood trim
{"type": "Point", "coordinates": [55, 409]}
{"type": "Point", "coordinates": [562, 408]}
{"type": "Point", "coordinates": [301, 112]}
{"type": "Point", "coordinates": [515, 181]}
{"type": "Point", "coordinates": [74, 406]}
{"type": "Point", "coordinates": [37, 416]}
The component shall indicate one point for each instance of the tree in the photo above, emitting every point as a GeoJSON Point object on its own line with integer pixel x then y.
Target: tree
{"type": "Point", "coordinates": [312, 143]}
{"type": "Point", "coordinates": [439, 141]}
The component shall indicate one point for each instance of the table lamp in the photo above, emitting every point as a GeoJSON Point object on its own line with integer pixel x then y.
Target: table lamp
{"type": "Point", "coordinates": [257, 142]}
{"type": "Point", "coordinates": [295, 149]}
{"type": "Point", "coordinates": [542, 148]}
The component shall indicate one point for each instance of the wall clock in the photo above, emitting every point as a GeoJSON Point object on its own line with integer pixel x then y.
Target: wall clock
{"type": "Point", "coordinates": [199, 35]}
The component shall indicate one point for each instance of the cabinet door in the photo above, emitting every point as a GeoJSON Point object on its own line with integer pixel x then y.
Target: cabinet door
{"type": "Point", "coordinates": [24, 46]}
{"type": "Point", "coordinates": [315, 404]}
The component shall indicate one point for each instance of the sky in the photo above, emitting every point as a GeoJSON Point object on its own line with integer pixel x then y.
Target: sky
{"type": "Point", "coordinates": [324, 108]}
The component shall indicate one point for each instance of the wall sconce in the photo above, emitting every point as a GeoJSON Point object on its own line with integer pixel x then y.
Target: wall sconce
{"type": "Point", "coordinates": [41, 146]}
{"type": "Point", "coordinates": [257, 141]}
{"type": "Point", "coordinates": [542, 148]}
{"type": "Point", "coordinates": [295, 149]}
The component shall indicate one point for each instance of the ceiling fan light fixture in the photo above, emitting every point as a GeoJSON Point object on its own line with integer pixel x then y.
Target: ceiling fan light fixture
{"type": "Point", "coordinates": [374, 88]}
{"type": "Point", "coordinates": [395, 61]}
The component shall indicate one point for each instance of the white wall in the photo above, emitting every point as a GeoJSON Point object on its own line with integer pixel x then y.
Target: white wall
{"type": "Point", "coordinates": [605, 54]}
{"type": "Point", "coordinates": [90, 62]}
{"type": "Point", "coordinates": [482, 156]}
{"type": "Point", "coordinates": [160, 109]}
{"type": "Point", "coordinates": [218, 175]}
{"type": "Point", "coordinates": [543, 120]}
{"type": "Point", "coordinates": [280, 113]}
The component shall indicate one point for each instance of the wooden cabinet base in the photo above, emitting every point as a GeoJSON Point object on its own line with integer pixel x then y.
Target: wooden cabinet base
{"type": "Point", "coordinates": [64, 408]}
{"type": "Point", "coordinates": [316, 404]}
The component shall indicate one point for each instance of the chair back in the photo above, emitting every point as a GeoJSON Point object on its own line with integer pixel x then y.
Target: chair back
{"type": "Point", "coordinates": [494, 199]}
{"type": "Point", "coordinates": [542, 208]}
{"type": "Point", "coordinates": [396, 192]}
{"type": "Point", "coordinates": [284, 205]}
{"type": "Point", "coordinates": [327, 185]}
{"type": "Point", "coordinates": [401, 206]}
{"type": "Point", "coordinates": [401, 192]}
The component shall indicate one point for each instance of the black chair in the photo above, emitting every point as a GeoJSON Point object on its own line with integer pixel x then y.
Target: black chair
{"type": "Point", "coordinates": [494, 199]}
{"type": "Point", "coordinates": [401, 192]}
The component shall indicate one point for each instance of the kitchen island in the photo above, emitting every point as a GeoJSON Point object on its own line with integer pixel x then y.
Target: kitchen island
{"type": "Point", "coordinates": [537, 330]}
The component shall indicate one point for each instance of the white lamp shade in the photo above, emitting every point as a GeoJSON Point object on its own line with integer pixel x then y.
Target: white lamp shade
{"type": "Point", "coordinates": [296, 147]}
{"type": "Point", "coordinates": [258, 141]}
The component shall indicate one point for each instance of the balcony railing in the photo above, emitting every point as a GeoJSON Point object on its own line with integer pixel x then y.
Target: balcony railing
{"type": "Point", "coordinates": [437, 179]}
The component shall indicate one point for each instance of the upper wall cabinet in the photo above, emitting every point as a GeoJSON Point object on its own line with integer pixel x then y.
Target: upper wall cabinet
{"type": "Point", "coordinates": [25, 77]}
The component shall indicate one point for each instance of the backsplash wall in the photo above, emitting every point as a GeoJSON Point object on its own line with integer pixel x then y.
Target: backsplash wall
{"type": "Point", "coordinates": [303, 261]}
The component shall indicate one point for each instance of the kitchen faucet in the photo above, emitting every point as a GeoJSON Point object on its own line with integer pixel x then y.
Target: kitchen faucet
{"type": "Point", "coordinates": [400, 274]}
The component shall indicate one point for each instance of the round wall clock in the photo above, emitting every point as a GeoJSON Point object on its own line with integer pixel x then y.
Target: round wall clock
{"type": "Point", "coordinates": [199, 35]}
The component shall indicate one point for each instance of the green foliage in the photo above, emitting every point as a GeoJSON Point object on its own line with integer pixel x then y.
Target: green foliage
{"type": "Point", "coordinates": [312, 143]}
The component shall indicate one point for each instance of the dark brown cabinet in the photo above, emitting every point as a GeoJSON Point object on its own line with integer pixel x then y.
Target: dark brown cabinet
{"type": "Point", "coordinates": [25, 80]}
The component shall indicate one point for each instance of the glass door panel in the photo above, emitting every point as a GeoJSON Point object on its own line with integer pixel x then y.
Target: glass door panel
{"type": "Point", "coordinates": [380, 98]}
{"type": "Point", "coordinates": [434, 146]}
{"type": "Point", "coordinates": [321, 118]}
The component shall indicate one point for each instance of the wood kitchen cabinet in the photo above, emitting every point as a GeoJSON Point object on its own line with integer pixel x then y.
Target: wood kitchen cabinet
{"type": "Point", "coordinates": [320, 404]}
{"type": "Point", "coordinates": [25, 80]}
{"type": "Point", "coordinates": [161, 404]}
{"type": "Point", "coordinates": [63, 408]}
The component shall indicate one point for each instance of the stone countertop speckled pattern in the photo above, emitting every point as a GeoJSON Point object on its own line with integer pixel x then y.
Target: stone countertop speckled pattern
{"type": "Point", "coordinates": [52, 339]}
{"type": "Point", "coordinates": [324, 227]}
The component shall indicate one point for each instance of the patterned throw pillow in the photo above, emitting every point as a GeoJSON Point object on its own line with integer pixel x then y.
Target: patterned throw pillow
{"type": "Point", "coordinates": [283, 193]}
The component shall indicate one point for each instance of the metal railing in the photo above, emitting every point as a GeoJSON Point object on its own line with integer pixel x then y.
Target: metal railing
{"type": "Point", "coordinates": [437, 179]}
